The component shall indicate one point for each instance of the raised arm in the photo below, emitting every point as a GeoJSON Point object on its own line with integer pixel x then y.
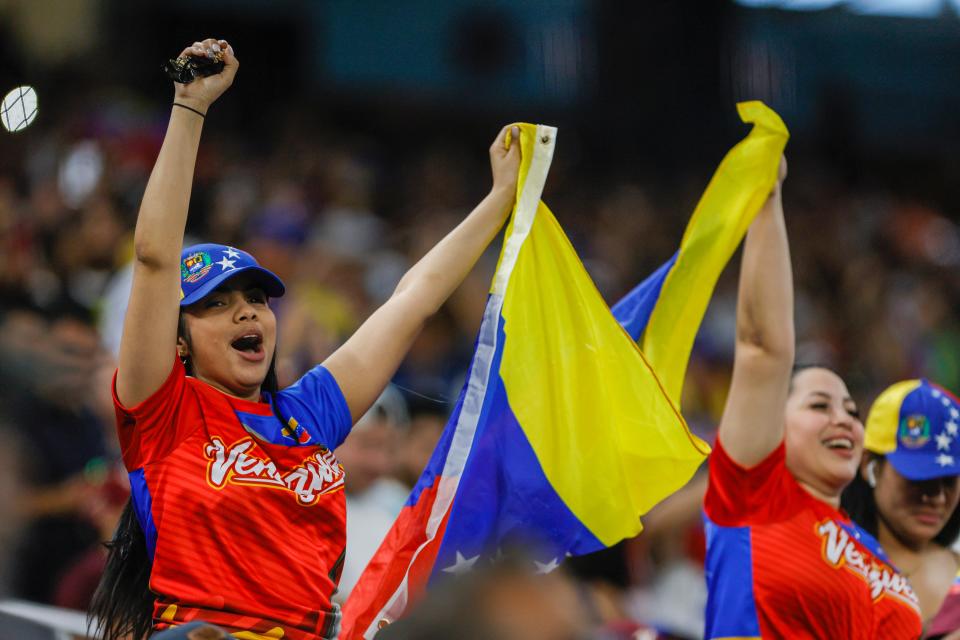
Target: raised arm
{"type": "Point", "coordinates": [150, 326]}
{"type": "Point", "coordinates": [753, 418]}
{"type": "Point", "coordinates": [365, 363]}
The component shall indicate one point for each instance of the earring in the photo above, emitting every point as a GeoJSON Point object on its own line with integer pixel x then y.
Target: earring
{"type": "Point", "coordinates": [871, 473]}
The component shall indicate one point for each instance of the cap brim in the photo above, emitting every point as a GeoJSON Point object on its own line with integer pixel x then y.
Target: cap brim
{"type": "Point", "coordinates": [272, 285]}
{"type": "Point", "coordinates": [920, 465]}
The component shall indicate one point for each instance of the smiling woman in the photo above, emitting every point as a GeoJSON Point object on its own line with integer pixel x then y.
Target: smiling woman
{"type": "Point", "coordinates": [783, 561]}
{"type": "Point", "coordinates": [237, 514]}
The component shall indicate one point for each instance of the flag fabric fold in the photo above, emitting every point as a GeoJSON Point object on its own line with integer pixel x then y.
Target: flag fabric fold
{"type": "Point", "coordinates": [563, 435]}
{"type": "Point", "coordinates": [664, 311]}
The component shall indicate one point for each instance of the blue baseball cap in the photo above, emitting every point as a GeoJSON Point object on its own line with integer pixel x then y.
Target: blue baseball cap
{"type": "Point", "coordinates": [916, 425]}
{"type": "Point", "coordinates": [204, 267]}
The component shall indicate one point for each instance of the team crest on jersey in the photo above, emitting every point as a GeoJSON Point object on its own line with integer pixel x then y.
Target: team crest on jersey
{"type": "Point", "coordinates": [840, 551]}
{"type": "Point", "coordinates": [195, 266]}
{"type": "Point", "coordinates": [914, 431]}
{"type": "Point", "coordinates": [238, 464]}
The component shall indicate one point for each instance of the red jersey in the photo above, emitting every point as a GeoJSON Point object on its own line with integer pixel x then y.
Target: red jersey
{"type": "Point", "coordinates": [244, 515]}
{"type": "Point", "coordinates": [782, 564]}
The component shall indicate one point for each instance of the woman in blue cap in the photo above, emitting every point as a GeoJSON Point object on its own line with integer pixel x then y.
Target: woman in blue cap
{"type": "Point", "coordinates": [238, 513]}
{"type": "Point", "coordinates": [907, 491]}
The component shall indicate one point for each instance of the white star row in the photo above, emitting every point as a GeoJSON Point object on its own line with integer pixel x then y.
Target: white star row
{"type": "Point", "coordinates": [226, 263]}
{"type": "Point", "coordinates": [462, 564]}
{"type": "Point", "coordinates": [943, 442]}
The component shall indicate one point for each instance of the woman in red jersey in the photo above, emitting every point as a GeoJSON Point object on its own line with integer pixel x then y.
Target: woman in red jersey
{"type": "Point", "coordinates": [907, 492]}
{"type": "Point", "coordinates": [238, 514]}
{"type": "Point", "coordinates": [783, 561]}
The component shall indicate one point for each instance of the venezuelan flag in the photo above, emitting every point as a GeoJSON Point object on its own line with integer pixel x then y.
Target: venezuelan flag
{"type": "Point", "coordinates": [664, 311]}
{"type": "Point", "coordinates": [561, 438]}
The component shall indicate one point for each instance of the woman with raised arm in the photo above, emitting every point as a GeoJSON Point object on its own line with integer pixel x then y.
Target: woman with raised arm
{"type": "Point", "coordinates": [237, 513]}
{"type": "Point", "coordinates": [783, 561]}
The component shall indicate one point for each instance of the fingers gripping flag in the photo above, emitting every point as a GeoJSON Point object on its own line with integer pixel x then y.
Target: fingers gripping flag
{"type": "Point", "coordinates": [562, 436]}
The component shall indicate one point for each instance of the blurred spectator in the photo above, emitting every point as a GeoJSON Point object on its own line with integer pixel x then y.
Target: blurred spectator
{"type": "Point", "coordinates": [373, 499]}
{"type": "Point", "coordinates": [417, 443]}
{"type": "Point", "coordinates": [11, 517]}
{"type": "Point", "coordinates": [58, 403]}
{"type": "Point", "coordinates": [504, 601]}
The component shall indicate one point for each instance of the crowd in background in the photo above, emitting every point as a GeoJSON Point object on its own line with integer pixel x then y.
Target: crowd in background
{"type": "Point", "coordinates": [339, 217]}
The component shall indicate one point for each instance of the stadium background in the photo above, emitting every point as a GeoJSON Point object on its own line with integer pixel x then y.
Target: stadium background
{"type": "Point", "coordinates": [356, 135]}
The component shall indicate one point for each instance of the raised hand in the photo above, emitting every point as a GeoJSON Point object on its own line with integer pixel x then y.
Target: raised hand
{"type": "Point", "coordinates": [505, 160]}
{"type": "Point", "coordinates": [202, 92]}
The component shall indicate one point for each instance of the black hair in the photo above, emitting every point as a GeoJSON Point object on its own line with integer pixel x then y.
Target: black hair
{"type": "Point", "coordinates": [122, 605]}
{"type": "Point", "coordinates": [858, 501]}
{"type": "Point", "coordinates": [800, 368]}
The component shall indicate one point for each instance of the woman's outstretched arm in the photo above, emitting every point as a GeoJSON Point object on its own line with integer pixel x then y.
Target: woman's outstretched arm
{"type": "Point", "coordinates": [150, 326]}
{"type": "Point", "coordinates": [753, 418]}
{"type": "Point", "coordinates": [365, 363]}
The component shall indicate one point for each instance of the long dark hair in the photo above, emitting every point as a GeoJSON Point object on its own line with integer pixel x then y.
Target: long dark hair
{"type": "Point", "coordinates": [122, 605]}
{"type": "Point", "coordinates": [858, 501]}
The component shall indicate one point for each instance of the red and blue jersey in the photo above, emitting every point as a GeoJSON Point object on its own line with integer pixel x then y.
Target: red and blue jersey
{"type": "Point", "coordinates": [782, 564]}
{"type": "Point", "coordinates": [244, 512]}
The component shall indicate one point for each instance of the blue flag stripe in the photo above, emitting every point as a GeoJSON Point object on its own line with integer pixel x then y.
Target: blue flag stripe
{"type": "Point", "coordinates": [633, 311]}
{"type": "Point", "coordinates": [504, 497]}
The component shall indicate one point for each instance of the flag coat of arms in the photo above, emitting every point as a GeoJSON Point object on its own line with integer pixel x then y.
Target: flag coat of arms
{"type": "Point", "coordinates": [562, 436]}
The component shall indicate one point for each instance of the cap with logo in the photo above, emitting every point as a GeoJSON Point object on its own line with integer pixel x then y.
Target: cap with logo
{"type": "Point", "coordinates": [204, 267]}
{"type": "Point", "coordinates": [916, 425]}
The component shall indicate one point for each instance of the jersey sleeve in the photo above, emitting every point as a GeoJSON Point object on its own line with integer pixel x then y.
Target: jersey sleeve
{"type": "Point", "coordinates": [740, 496]}
{"type": "Point", "coordinates": [316, 402]}
{"type": "Point", "coordinates": [151, 429]}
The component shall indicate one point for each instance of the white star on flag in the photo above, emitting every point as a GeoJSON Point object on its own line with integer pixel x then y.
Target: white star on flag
{"type": "Point", "coordinates": [226, 264]}
{"type": "Point", "coordinates": [943, 442]}
{"type": "Point", "coordinates": [944, 402]}
{"type": "Point", "coordinates": [954, 413]}
{"type": "Point", "coordinates": [546, 568]}
{"type": "Point", "coordinates": [935, 393]}
{"type": "Point", "coordinates": [952, 428]}
{"type": "Point", "coordinates": [462, 565]}
{"type": "Point", "coordinates": [943, 460]}
{"type": "Point", "coordinates": [231, 252]}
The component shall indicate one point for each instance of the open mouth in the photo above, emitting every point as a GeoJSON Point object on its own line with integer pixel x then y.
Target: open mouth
{"type": "Point", "coordinates": [840, 444]}
{"type": "Point", "coordinates": [251, 343]}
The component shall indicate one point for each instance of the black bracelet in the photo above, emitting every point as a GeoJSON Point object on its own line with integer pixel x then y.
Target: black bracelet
{"type": "Point", "coordinates": [183, 106]}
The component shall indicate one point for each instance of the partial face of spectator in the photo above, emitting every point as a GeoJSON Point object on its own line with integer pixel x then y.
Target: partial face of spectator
{"type": "Point", "coordinates": [536, 608]}
{"type": "Point", "coordinates": [74, 350]}
{"type": "Point", "coordinates": [368, 454]}
{"type": "Point", "coordinates": [824, 435]}
{"type": "Point", "coordinates": [914, 511]}
{"type": "Point", "coordinates": [417, 446]}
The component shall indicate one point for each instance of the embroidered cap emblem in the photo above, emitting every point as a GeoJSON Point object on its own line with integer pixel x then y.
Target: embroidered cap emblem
{"type": "Point", "coordinates": [914, 431]}
{"type": "Point", "coordinates": [195, 266]}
